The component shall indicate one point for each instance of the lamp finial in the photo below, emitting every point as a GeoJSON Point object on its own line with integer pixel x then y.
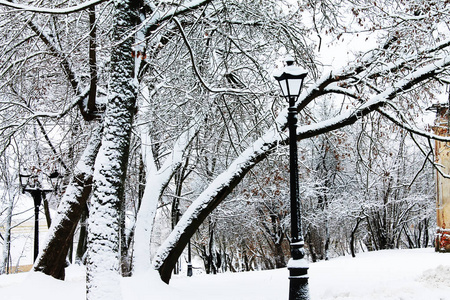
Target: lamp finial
{"type": "Point", "coordinates": [289, 60]}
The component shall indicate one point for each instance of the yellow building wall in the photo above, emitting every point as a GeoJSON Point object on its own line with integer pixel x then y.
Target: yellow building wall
{"type": "Point", "coordinates": [442, 185]}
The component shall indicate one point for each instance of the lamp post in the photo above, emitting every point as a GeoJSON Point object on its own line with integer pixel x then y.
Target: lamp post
{"type": "Point", "coordinates": [189, 263]}
{"type": "Point", "coordinates": [291, 79]}
{"type": "Point", "coordinates": [32, 185]}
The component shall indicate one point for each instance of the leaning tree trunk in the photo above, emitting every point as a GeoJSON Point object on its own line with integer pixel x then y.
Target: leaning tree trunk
{"type": "Point", "coordinates": [52, 258]}
{"type": "Point", "coordinates": [103, 263]}
{"type": "Point", "coordinates": [221, 187]}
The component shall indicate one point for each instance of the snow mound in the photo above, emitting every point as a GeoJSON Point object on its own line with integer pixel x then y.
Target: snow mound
{"type": "Point", "coordinates": [437, 277]}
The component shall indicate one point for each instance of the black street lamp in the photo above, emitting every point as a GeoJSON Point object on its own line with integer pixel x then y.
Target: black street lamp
{"type": "Point", "coordinates": [291, 79]}
{"type": "Point", "coordinates": [189, 263]}
{"type": "Point", "coordinates": [32, 185]}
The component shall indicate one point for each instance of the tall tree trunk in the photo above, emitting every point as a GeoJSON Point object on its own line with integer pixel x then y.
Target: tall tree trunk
{"type": "Point", "coordinates": [52, 258]}
{"type": "Point", "coordinates": [125, 258]}
{"type": "Point", "coordinates": [4, 267]}
{"type": "Point", "coordinates": [280, 261]}
{"type": "Point", "coordinates": [82, 239]}
{"type": "Point", "coordinates": [353, 237]}
{"type": "Point", "coordinates": [159, 178]}
{"type": "Point", "coordinates": [103, 264]}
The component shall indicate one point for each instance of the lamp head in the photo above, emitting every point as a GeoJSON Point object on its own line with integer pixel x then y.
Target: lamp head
{"type": "Point", "coordinates": [290, 79]}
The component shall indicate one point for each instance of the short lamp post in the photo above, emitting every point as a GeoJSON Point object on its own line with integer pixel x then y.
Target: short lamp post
{"type": "Point", "coordinates": [32, 185]}
{"type": "Point", "coordinates": [189, 263]}
{"type": "Point", "coordinates": [291, 79]}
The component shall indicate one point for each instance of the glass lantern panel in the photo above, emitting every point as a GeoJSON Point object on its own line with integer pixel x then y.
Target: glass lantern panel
{"type": "Point", "coordinates": [294, 86]}
{"type": "Point", "coordinates": [284, 88]}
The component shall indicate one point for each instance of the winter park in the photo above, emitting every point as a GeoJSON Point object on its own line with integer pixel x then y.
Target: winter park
{"type": "Point", "coordinates": [212, 149]}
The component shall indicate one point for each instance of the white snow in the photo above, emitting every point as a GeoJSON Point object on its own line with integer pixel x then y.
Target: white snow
{"type": "Point", "coordinates": [391, 274]}
{"type": "Point", "coordinates": [298, 263]}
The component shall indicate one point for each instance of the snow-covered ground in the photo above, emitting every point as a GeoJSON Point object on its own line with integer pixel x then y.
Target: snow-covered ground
{"type": "Point", "coordinates": [418, 274]}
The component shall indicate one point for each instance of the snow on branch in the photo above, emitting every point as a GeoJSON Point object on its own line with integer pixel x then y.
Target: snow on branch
{"type": "Point", "coordinates": [438, 167]}
{"type": "Point", "coordinates": [157, 180]}
{"type": "Point", "coordinates": [56, 11]}
{"type": "Point", "coordinates": [377, 101]}
{"type": "Point", "coordinates": [403, 123]}
{"type": "Point", "coordinates": [159, 17]}
{"type": "Point", "coordinates": [9, 130]}
{"type": "Point", "coordinates": [394, 66]}
{"type": "Point", "coordinates": [216, 192]}
{"type": "Point", "coordinates": [196, 71]}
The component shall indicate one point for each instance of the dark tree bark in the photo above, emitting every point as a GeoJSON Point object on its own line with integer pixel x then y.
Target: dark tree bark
{"type": "Point", "coordinates": [52, 259]}
{"type": "Point", "coordinates": [280, 261]}
{"type": "Point", "coordinates": [353, 237]}
{"type": "Point", "coordinates": [82, 239]}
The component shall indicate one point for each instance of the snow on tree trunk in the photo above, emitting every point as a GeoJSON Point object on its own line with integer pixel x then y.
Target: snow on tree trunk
{"type": "Point", "coordinates": [52, 258]}
{"type": "Point", "coordinates": [103, 263]}
{"type": "Point", "coordinates": [158, 179]}
{"type": "Point", "coordinates": [147, 210]}
{"type": "Point", "coordinates": [218, 190]}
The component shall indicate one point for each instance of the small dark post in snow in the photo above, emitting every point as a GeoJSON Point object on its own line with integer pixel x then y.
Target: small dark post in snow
{"type": "Point", "coordinates": [189, 263]}
{"type": "Point", "coordinates": [291, 79]}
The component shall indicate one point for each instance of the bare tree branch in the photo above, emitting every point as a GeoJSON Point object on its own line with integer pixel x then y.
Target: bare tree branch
{"type": "Point", "coordinates": [55, 11]}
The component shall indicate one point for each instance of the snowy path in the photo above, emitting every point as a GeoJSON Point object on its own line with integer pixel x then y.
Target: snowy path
{"type": "Point", "coordinates": [418, 274]}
